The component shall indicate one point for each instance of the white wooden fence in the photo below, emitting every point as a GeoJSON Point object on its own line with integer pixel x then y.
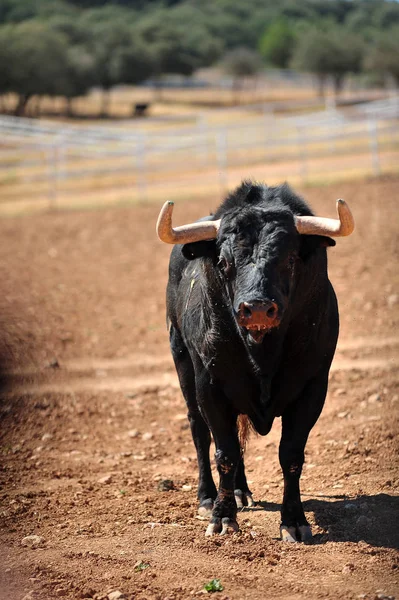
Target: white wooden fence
{"type": "Point", "coordinates": [50, 161]}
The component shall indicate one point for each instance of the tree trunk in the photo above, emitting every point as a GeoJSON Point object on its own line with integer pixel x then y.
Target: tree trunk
{"type": "Point", "coordinates": [23, 100]}
{"type": "Point", "coordinates": [236, 88]}
{"type": "Point", "coordinates": [36, 109]}
{"type": "Point", "coordinates": [105, 103]}
{"type": "Point", "coordinates": [69, 107]}
{"type": "Point", "coordinates": [338, 83]}
{"type": "Point", "coordinates": [321, 82]}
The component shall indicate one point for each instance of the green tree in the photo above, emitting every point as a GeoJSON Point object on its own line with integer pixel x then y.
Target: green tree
{"type": "Point", "coordinates": [331, 53]}
{"type": "Point", "coordinates": [277, 43]}
{"type": "Point", "coordinates": [241, 63]}
{"type": "Point", "coordinates": [37, 61]}
{"type": "Point", "coordinates": [120, 56]}
{"type": "Point", "coordinates": [383, 55]}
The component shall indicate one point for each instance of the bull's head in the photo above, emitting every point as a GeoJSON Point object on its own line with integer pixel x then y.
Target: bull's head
{"type": "Point", "coordinates": [258, 252]}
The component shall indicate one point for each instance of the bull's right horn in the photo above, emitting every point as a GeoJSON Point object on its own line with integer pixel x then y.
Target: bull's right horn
{"type": "Point", "coordinates": [192, 232]}
{"type": "Point", "coordinates": [342, 226]}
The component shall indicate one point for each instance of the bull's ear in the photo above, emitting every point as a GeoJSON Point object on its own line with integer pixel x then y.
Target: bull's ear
{"type": "Point", "coordinates": [206, 249]}
{"type": "Point", "coordinates": [311, 243]}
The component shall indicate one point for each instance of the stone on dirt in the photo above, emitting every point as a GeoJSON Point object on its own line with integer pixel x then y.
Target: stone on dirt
{"type": "Point", "coordinates": [116, 595]}
{"type": "Point", "coordinates": [32, 541]}
{"type": "Point", "coordinates": [106, 479]}
{"type": "Point", "coordinates": [166, 485]}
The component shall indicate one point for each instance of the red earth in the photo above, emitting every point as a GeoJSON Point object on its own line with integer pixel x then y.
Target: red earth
{"type": "Point", "coordinates": [93, 422]}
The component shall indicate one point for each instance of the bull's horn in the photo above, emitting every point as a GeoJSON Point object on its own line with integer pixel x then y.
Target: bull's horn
{"type": "Point", "coordinates": [331, 227]}
{"type": "Point", "coordinates": [192, 232]}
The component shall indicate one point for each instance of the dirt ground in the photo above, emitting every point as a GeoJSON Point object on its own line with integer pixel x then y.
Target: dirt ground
{"type": "Point", "coordinates": [93, 422]}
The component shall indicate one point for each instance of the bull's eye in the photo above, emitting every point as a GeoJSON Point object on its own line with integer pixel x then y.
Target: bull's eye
{"type": "Point", "coordinates": [224, 265]}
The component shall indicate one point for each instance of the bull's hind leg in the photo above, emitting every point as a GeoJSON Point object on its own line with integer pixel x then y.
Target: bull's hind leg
{"type": "Point", "coordinates": [297, 421]}
{"type": "Point", "coordinates": [199, 429]}
{"type": "Point", "coordinates": [242, 493]}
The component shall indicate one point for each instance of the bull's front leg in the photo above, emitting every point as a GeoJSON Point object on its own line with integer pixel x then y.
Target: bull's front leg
{"type": "Point", "coordinates": [222, 421]}
{"type": "Point", "coordinates": [224, 514]}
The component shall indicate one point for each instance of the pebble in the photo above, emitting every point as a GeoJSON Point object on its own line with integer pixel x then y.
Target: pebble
{"type": "Point", "coordinates": [116, 595]}
{"type": "Point", "coordinates": [350, 506]}
{"type": "Point", "coordinates": [166, 485]}
{"type": "Point", "coordinates": [363, 521]}
{"type": "Point", "coordinates": [105, 480]}
{"type": "Point", "coordinates": [348, 568]}
{"type": "Point", "coordinates": [343, 414]}
{"type": "Point", "coordinates": [374, 398]}
{"type": "Point", "coordinates": [147, 436]}
{"type": "Point", "coordinates": [133, 433]}
{"type": "Point", "coordinates": [32, 541]}
{"type": "Point", "coordinates": [392, 300]}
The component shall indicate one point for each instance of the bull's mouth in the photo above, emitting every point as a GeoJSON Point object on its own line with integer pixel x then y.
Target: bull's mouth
{"type": "Point", "coordinates": [258, 332]}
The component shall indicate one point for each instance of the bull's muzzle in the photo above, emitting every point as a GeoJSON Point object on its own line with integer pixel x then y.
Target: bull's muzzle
{"type": "Point", "coordinates": [258, 317]}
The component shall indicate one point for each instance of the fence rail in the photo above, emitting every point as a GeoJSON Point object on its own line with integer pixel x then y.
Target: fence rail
{"type": "Point", "coordinates": [45, 161]}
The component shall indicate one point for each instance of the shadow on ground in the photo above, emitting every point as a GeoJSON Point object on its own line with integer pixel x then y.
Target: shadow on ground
{"type": "Point", "coordinates": [366, 518]}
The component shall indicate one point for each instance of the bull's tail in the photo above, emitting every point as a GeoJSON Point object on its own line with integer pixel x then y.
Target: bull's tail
{"type": "Point", "coordinates": [244, 428]}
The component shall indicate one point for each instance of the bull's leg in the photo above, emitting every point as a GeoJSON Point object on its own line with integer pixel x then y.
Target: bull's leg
{"type": "Point", "coordinates": [242, 493]}
{"type": "Point", "coordinates": [199, 429]}
{"type": "Point", "coordinates": [222, 422]}
{"type": "Point", "coordinates": [297, 421]}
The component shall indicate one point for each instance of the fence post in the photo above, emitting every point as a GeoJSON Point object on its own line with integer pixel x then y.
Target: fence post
{"type": "Point", "coordinates": [303, 167]}
{"type": "Point", "coordinates": [141, 168]}
{"type": "Point", "coordinates": [221, 151]}
{"type": "Point", "coordinates": [202, 140]}
{"type": "Point", "coordinates": [52, 176]}
{"type": "Point", "coordinates": [373, 141]}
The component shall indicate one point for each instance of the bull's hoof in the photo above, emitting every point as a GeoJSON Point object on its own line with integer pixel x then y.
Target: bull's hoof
{"type": "Point", "coordinates": [205, 508]}
{"type": "Point", "coordinates": [288, 534]}
{"type": "Point", "coordinates": [302, 533]}
{"type": "Point", "coordinates": [305, 533]}
{"type": "Point", "coordinates": [243, 498]}
{"type": "Point", "coordinates": [223, 526]}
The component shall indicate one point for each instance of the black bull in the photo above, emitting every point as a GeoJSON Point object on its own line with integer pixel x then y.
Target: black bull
{"type": "Point", "coordinates": [253, 330]}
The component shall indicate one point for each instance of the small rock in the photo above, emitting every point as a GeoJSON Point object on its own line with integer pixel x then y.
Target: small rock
{"type": "Point", "coordinates": [186, 488]}
{"type": "Point", "coordinates": [105, 480]}
{"type": "Point", "coordinates": [53, 364]}
{"type": "Point", "coordinates": [116, 595]}
{"type": "Point", "coordinates": [392, 300]}
{"type": "Point", "coordinates": [166, 485]}
{"type": "Point", "coordinates": [32, 541]}
{"type": "Point", "coordinates": [350, 507]}
{"type": "Point", "coordinates": [374, 398]}
{"type": "Point", "coordinates": [348, 568]}
{"type": "Point", "coordinates": [147, 436]}
{"type": "Point", "coordinates": [60, 592]}
{"type": "Point", "coordinates": [363, 521]}
{"type": "Point", "coordinates": [133, 433]}
{"type": "Point", "coordinates": [339, 392]}
{"type": "Point", "coordinates": [47, 436]}
{"type": "Point", "coordinates": [343, 414]}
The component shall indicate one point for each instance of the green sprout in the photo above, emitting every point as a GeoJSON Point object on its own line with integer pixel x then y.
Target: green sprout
{"type": "Point", "coordinates": [140, 566]}
{"type": "Point", "coordinates": [213, 586]}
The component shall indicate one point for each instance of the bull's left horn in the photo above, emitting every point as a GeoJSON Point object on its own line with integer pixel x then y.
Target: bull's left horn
{"type": "Point", "coordinates": [192, 232]}
{"type": "Point", "coordinates": [342, 226]}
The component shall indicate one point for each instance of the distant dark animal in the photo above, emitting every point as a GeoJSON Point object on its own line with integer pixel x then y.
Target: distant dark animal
{"type": "Point", "coordinates": [253, 329]}
{"type": "Point", "coordinates": [140, 110]}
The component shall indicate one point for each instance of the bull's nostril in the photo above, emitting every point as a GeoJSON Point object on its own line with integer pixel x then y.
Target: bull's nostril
{"type": "Point", "coordinates": [271, 311]}
{"type": "Point", "coordinates": [246, 310]}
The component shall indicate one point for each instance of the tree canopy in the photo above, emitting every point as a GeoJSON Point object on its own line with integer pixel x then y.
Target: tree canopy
{"type": "Point", "coordinates": [65, 47]}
